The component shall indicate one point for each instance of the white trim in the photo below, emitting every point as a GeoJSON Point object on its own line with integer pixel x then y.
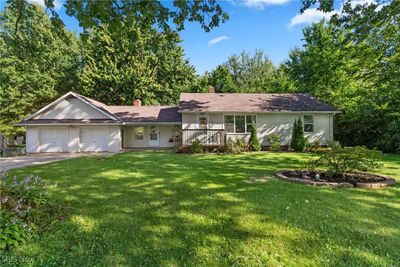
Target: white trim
{"type": "Point", "coordinates": [257, 112]}
{"type": "Point", "coordinates": [65, 124]}
{"type": "Point", "coordinates": [55, 102]}
{"type": "Point", "coordinates": [152, 123]}
{"type": "Point", "coordinates": [304, 122]}
{"type": "Point", "coordinates": [234, 121]}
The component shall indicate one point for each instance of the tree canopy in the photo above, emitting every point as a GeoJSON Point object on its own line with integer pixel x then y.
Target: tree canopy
{"type": "Point", "coordinates": [36, 63]}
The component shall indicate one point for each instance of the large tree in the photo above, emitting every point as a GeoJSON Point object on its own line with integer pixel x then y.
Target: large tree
{"type": "Point", "coordinates": [246, 73]}
{"type": "Point", "coordinates": [353, 63]}
{"type": "Point", "coordinates": [37, 63]}
{"type": "Point", "coordinates": [134, 62]}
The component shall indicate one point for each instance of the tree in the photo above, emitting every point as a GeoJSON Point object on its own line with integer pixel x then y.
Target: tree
{"type": "Point", "coordinates": [254, 144]}
{"type": "Point", "coordinates": [36, 63]}
{"type": "Point", "coordinates": [221, 80]}
{"type": "Point", "coordinates": [353, 63]}
{"type": "Point", "coordinates": [148, 14]}
{"type": "Point", "coordinates": [298, 142]}
{"type": "Point", "coordinates": [244, 73]}
{"type": "Point", "coordinates": [134, 63]}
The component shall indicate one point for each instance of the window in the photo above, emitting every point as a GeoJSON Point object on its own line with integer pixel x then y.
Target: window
{"type": "Point", "coordinates": [153, 133]}
{"type": "Point", "coordinates": [308, 123]}
{"type": "Point", "coordinates": [139, 133]}
{"type": "Point", "coordinates": [230, 123]}
{"type": "Point", "coordinates": [239, 123]}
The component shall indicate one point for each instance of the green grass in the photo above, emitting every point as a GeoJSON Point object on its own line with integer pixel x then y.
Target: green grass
{"type": "Point", "coordinates": [160, 208]}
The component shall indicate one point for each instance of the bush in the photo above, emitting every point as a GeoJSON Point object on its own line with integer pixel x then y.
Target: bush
{"type": "Point", "coordinates": [241, 143]}
{"type": "Point", "coordinates": [233, 147]}
{"type": "Point", "coordinates": [274, 141]}
{"type": "Point", "coordinates": [342, 160]}
{"type": "Point", "coordinates": [313, 146]}
{"type": "Point", "coordinates": [196, 146]}
{"type": "Point", "coordinates": [298, 142]}
{"type": "Point", "coordinates": [254, 144]}
{"type": "Point", "coordinates": [23, 206]}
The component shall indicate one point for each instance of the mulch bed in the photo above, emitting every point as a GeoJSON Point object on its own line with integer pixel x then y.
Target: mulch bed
{"type": "Point", "coordinates": [364, 180]}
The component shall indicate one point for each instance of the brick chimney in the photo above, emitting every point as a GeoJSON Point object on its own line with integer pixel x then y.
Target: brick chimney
{"type": "Point", "coordinates": [211, 89]}
{"type": "Point", "coordinates": [137, 103]}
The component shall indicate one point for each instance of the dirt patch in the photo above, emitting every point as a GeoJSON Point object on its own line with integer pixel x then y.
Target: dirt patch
{"type": "Point", "coordinates": [257, 180]}
{"type": "Point", "coordinates": [364, 180]}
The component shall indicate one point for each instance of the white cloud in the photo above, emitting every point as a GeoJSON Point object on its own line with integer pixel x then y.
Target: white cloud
{"type": "Point", "coordinates": [218, 39]}
{"type": "Point", "coordinates": [309, 16]}
{"type": "Point", "coordinates": [260, 4]}
{"type": "Point", "coordinates": [57, 3]}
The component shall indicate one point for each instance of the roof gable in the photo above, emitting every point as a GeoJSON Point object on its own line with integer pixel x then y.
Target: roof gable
{"type": "Point", "coordinates": [76, 107]}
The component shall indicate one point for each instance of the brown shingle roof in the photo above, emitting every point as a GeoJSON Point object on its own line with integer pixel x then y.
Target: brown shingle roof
{"type": "Point", "coordinates": [217, 102]}
{"type": "Point", "coordinates": [147, 113]}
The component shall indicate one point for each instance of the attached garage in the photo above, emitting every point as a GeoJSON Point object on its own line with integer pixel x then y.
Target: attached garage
{"type": "Point", "coordinates": [53, 139]}
{"type": "Point", "coordinates": [73, 123]}
{"type": "Point", "coordinates": [93, 139]}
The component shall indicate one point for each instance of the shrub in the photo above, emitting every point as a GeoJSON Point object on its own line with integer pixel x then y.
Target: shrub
{"type": "Point", "coordinates": [298, 142]}
{"type": "Point", "coordinates": [196, 146]}
{"type": "Point", "coordinates": [274, 140]}
{"type": "Point", "coordinates": [232, 147]}
{"type": "Point", "coordinates": [241, 143]}
{"type": "Point", "coordinates": [313, 146]}
{"type": "Point", "coordinates": [342, 160]}
{"type": "Point", "coordinates": [254, 144]}
{"type": "Point", "coordinates": [23, 206]}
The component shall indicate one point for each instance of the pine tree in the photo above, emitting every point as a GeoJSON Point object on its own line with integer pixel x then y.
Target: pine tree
{"type": "Point", "coordinates": [254, 144]}
{"type": "Point", "coordinates": [298, 142]}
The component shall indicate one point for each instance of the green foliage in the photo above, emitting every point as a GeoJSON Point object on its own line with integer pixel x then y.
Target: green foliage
{"type": "Point", "coordinates": [37, 63]}
{"type": "Point", "coordinates": [352, 62]}
{"type": "Point", "coordinates": [298, 141]}
{"type": "Point", "coordinates": [202, 197]}
{"type": "Point", "coordinates": [254, 144]}
{"type": "Point", "coordinates": [274, 141]}
{"type": "Point", "coordinates": [134, 63]}
{"type": "Point", "coordinates": [312, 146]}
{"type": "Point", "coordinates": [13, 231]}
{"type": "Point", "coordinates": [233, 147]}
{"type": "Point", "coordinates": [196, 147]}
{"type": "Point", "coordinates": [342, 160]}
{"type": "Point", "coordinates": [24, 207]}
{"type": "Point", "coordinates": [246, 73]}
{"type": "Point", "coordinates": [156, 14]}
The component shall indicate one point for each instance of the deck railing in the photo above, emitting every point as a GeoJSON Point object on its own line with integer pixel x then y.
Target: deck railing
{"type": "Point", "coordinates": [207, 137]}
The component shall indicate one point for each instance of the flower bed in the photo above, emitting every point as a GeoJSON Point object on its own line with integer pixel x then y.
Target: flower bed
{"type": "Point", "coordinates": [356, 179]}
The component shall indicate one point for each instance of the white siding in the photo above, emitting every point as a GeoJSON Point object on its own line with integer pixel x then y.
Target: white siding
{"type": "Point", "coordinates": [32, 140]}
{"type": "Point", "coordinates": [166, 133]}
{"type": "Point", "coordinates": [72, 108]}
{"type": "Point", "coordinates": [112, 138]}
{"type": "Point", "coordinates": [269, 123]}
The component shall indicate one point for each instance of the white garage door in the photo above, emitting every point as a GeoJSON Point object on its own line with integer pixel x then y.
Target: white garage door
{"type": "Point", "coordinates": [53, 139]}
{"type": "Point", "coordinates": [94, 139]}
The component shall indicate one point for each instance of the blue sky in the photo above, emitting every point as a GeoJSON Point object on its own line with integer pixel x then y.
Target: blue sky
{"type": "Point", "coordinates": [274, 26]}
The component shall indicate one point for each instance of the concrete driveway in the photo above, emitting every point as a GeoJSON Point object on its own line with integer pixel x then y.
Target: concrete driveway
{"type": "Point", "coordinates": [7, 163]}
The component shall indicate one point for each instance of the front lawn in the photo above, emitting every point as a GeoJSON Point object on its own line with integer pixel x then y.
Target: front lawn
{"type": "Point", "coordinates": [161, 209]}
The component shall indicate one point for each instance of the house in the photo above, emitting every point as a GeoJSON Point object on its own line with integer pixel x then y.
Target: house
{"type": "Point", "coordinates": [75, 123]}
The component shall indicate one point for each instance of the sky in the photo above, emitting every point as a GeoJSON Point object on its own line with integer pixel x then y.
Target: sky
{"type": "Point", "coordinates": [274, 26]}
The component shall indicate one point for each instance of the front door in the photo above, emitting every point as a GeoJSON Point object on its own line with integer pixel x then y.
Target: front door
{"type": "Point", "coordinates": [154, 138]}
